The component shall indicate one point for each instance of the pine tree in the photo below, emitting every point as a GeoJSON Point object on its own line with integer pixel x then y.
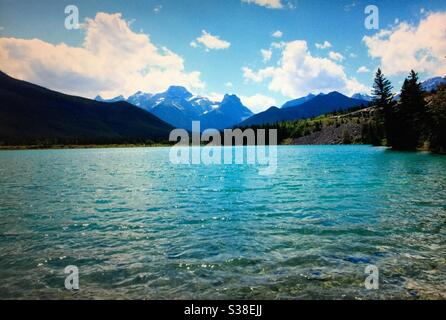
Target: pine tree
{"type": "Point", "coordinates": [382, 90]}
{"type": "Point", "coordinates": [410, 116]}
{"type": "Point", "coordinates": [437, 113]}
{"type": "Point", "coordinates": [382, 99]}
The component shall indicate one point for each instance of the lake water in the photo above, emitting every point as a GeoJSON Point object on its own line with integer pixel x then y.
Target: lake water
{"type": "Point", "coordinates": [138, 226]}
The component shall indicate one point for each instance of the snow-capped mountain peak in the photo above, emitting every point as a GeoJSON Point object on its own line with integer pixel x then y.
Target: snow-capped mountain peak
{"type": "Point", "coordinates": [179, 107]}
{"type": "Point", "coordinates": [139, 98]}
{"type": "Point", "coordinates": [362, 96]}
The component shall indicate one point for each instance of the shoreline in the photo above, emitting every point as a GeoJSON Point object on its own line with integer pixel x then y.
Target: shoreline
{"type": "Point", "coordinates": [86, 146]}
{"type": "Point", "coordinates": [165, 145]}
{"type": "Point", "coordinates": [155, 145]}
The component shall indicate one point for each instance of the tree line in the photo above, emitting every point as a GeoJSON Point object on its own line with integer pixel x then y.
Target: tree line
{"type": "Point", "coordinates": [417, 120]}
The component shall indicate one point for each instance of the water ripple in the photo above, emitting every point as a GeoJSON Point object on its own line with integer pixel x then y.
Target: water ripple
{"type": "Point", "coordinates": [139, 227]}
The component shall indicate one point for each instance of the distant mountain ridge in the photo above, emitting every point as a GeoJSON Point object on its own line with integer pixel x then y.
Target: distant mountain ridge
{"type": "Point", "coordinates": [179, 107]}
{"type": "Point", "coordinates": [362, 96]}
{"type": "Point", "coordinates": [229, 112]}
{"type": "Point", "coordinates": [314, 105]}
{"type": "Point", "coordinates": [433, 83]}
{"type": "Point", "coordinates": [428, 85]}
{"type": "Point", "coordinates": [318, 105]}
{"type": "Point", "coordinates": [116, 99]}
{"type": "Point", "coordinates": [299, 101]}
{"type": "Point", "coordinates": [30, 114]}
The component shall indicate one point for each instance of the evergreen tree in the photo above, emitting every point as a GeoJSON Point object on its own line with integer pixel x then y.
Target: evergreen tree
{"type": "Point", "coordinates": [382, 99]}
{"type": "Point", "coordinates": [410, 115]}
{"type": "Point", "coordinates": [437, 113]}
{"type": "Point", "coordinates": [382, 90]}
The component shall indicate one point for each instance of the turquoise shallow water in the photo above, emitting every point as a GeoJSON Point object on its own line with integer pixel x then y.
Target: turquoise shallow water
{"type": "Point", "coordinates": [138, 226]}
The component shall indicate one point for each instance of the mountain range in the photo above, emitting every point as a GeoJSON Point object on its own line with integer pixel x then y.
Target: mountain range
{"type": "Point", "coordinates": [313, 107]}
{"type": "Point", "coordinates": [299, 101]}
{"type": "Point", "coordinates": [179, 107]}
{"type": "Point", "coordinates": [428, 85]}
{"type": "Point", "coordinates": [30, 114]}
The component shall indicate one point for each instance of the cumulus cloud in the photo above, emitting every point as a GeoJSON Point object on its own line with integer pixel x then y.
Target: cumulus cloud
{"type": "Point", "coordinates": [229, 84]}
{"type": "Point", "coordinates": [271, 4]}
{"type": "Point", "coordinates": [299, 73]}
{"type": "Point", "coordinates": [336, 56]}
{"type": "Point", "coordinates": [324, 45]}
{"type": "Point", "coordinates": [277, 34]}
{"type": "Point", "coordinates": [363, 69]}
{"type": "Point", "coordinates": [112, 60]}
{"type": "Point", "coordinates": [258, 76]}
{"type": "Point", "coordinates": [406, 46]}
{"type": "Point", "coordinates": [212, 42]}
{"type": "Point", "coordinates": [258, 102]}
{"type": "Point", "coordinates": [266, 54]}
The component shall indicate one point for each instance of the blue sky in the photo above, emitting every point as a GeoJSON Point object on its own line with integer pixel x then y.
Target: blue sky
{"type": "Point", "coordinates": [235, 63]}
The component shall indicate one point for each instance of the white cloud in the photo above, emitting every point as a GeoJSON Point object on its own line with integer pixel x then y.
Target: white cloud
{"type": "Point", "coordinates": [193, 44]}
{"type": "Point", "coordinates": [336, 56]}
{"type": "Point", "coordinates": [271, 4]}
{"type": "Point", "coordinates": [278, 45]}
{"type": "Point", "coordinates": [349, 7]}
{"type": "Point", "coordinates": [324, 45]}
{"type": "Point", "coordinates": [363, 69]}
{"type": "Point", "coordinates": [212, 42]}
{"type": "Point", "coordinates": [299, 73]}
{"type": "Point", "coordinates": [112, 60]}
{"type": "Point", "coordinates": [266, 54]}
{"type": "Point", "coordinates": [215, 96]}
{"type": "Point", "coordinates": [258, 76]}
{"type": "Point", "coordinates": [404, 47]}
{"type": "Point", "coordinates": [277, 34]}
{"type": "Point", "coordinates": [258, 102]}
{"type": "Point", "coordinates": [353, 55]}
{"type": "Point", "coordinates": [228, 84]}
{"type": "Point", "coordinates": [157, 8]}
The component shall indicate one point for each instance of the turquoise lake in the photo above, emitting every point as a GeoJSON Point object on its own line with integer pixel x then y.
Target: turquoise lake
{"type": "Point", "coordinates": [140, 227]}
